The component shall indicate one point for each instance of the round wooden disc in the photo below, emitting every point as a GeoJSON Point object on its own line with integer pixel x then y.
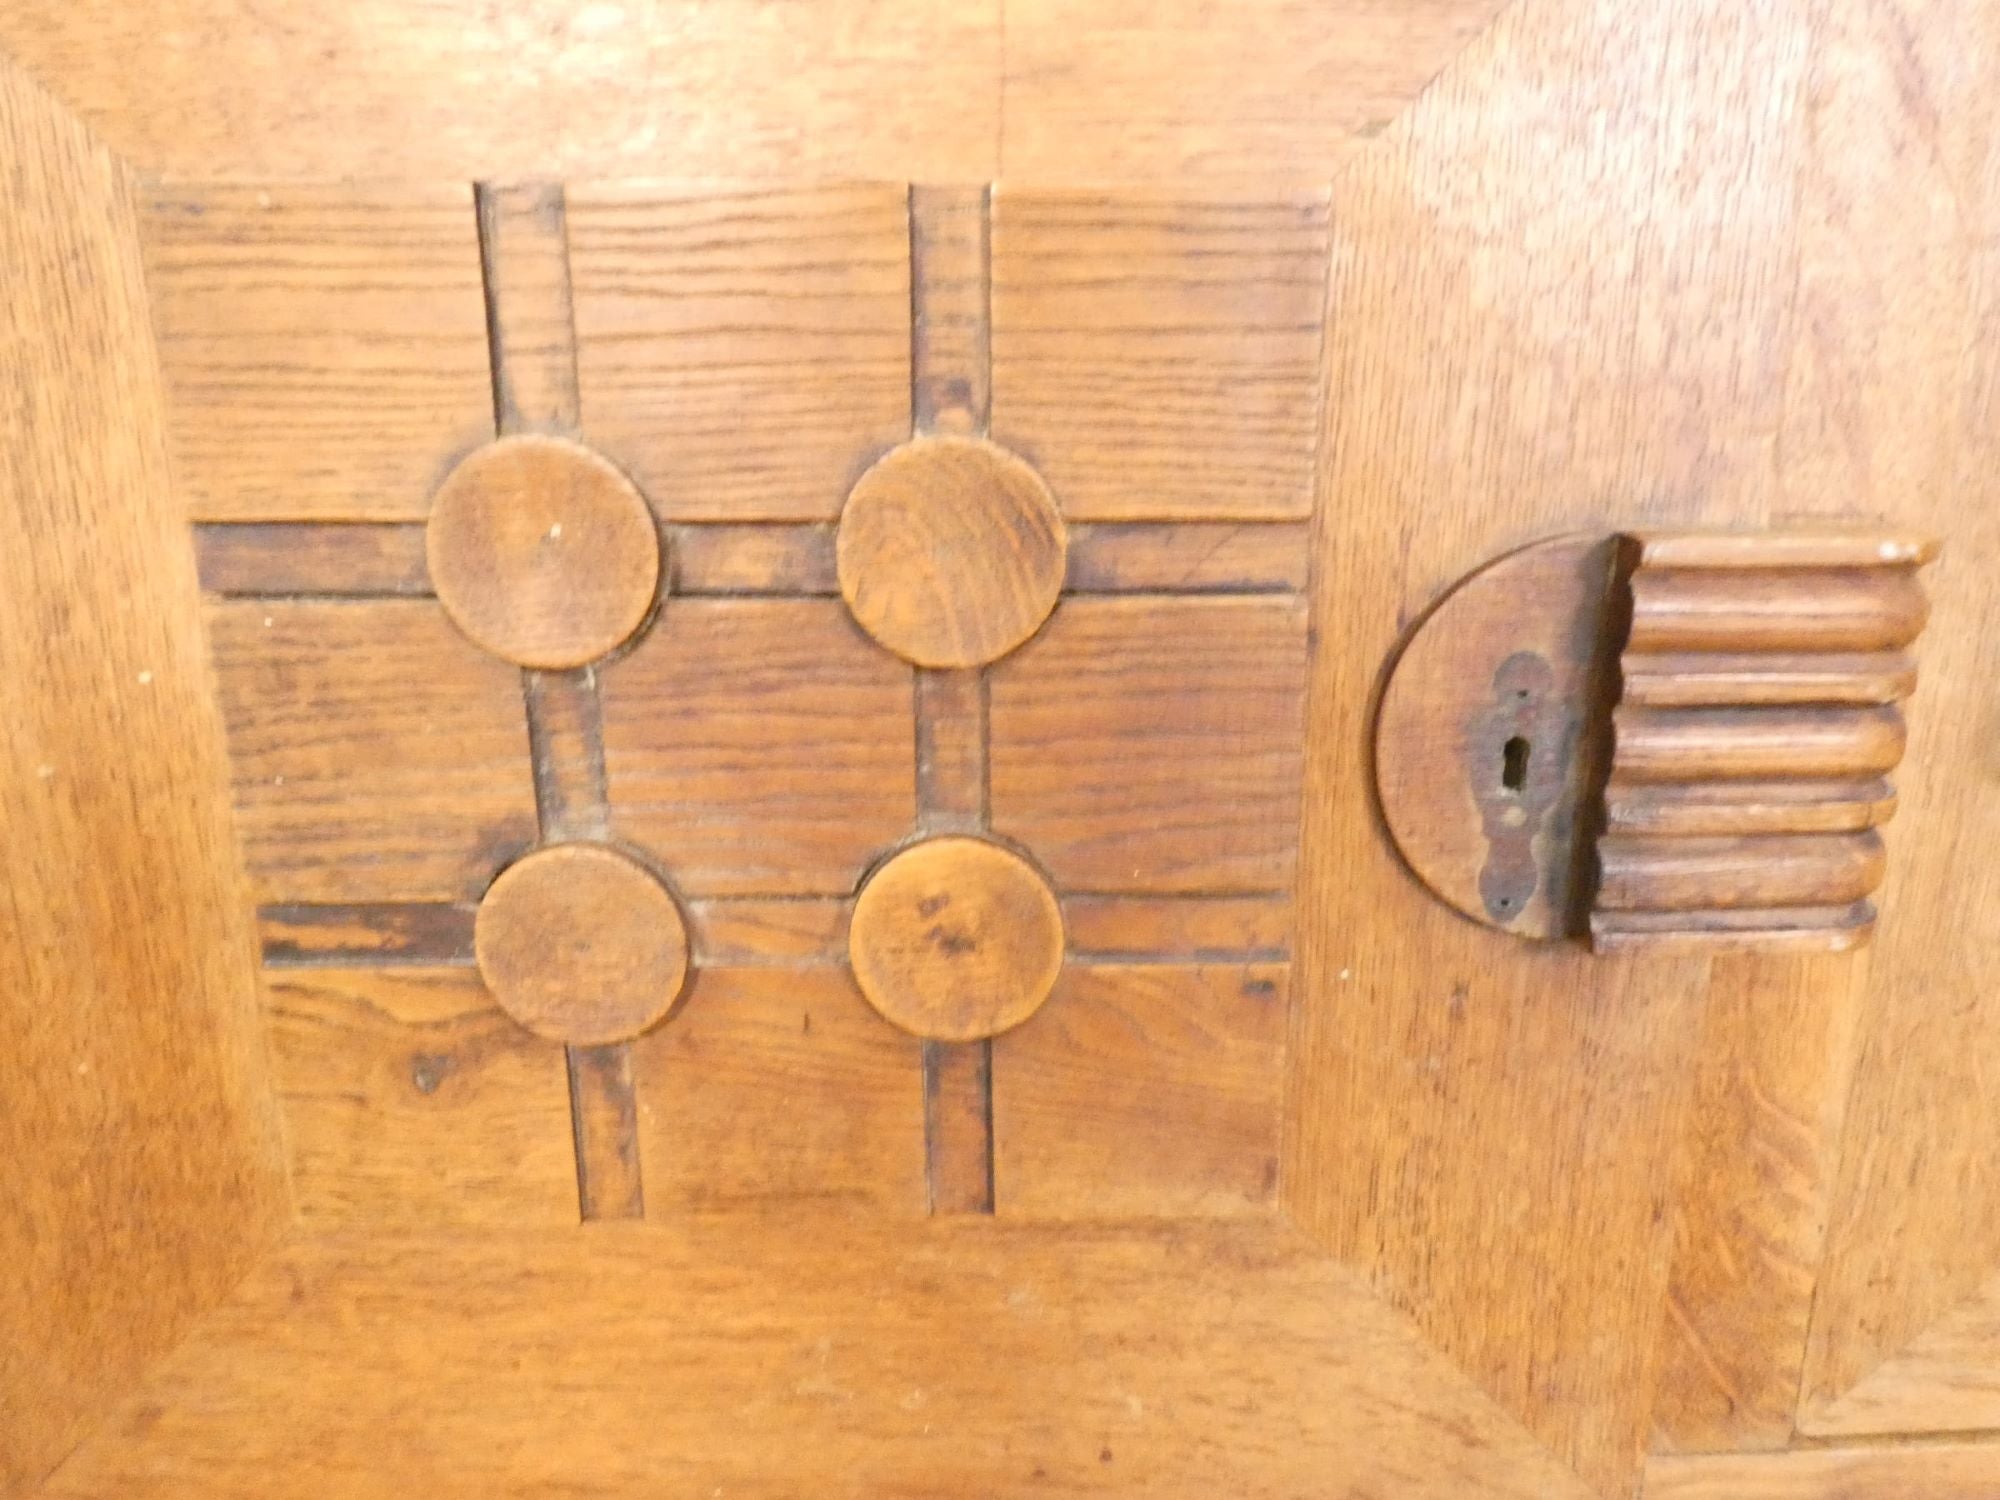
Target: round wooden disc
{"type": "Point", "coordinates": [542, 552]}
{"type": "Point", "coordinates": [956, 939]}
{"type": "Point", "coordinates": [581, 944]}
{"type": "Point", "coordinates": [1486, 742]}
{"type": "Point", "coordinates": [951, 552]}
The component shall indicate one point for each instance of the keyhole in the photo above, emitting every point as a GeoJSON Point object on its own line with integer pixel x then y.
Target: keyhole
{"type": "Point", "coordinates": [1514, 764]}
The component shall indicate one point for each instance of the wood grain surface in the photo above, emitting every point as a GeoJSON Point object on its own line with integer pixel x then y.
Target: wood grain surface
{"type": "Point", "coordinates": [956, 939]}
{"type": "Point", "coordinates": [1143, 744]}
{"type": "Point", "coordinates": [255, 559]}
{"type": "Point", "coordinates": [1156, 356]}
{"type": "Point", "coordinates": [145, 1167]}
{"type": "Point", "coordinates": [1139, 90]}
{"type": "Point", "coordinates": [324, 345]}
{"type": "Point", "coordinates": [1684, 266]}
{"type": "Point", "coordinates": [1700, 744]}
{"type": "Point", "coordinates": [1111, 1360]}
{"type": "Point", "coordinates": [951, 551]}
{"type": "Point", "coordinates": [560, 564]}
{"type": "Point", "coordinates": [1143, 1090]}
{"type": "Point", "coordinates": [752, 930]}
{"type": "Point", "coordinates": [1645, 874]}
{"type": "Point", "coordinates": [542, 552]}
{"type": "Point", "coordinates": [581, 944]}
{"type": "Point", "coordinates": [734, 931]}
{"type": "Point", "coordinates": [1699, 719]}
{"type": "Point", "coordinates": [1947, 1379]}
{"type": "Point", "coordinates": [1042, 90]}
{"type": "Point", "coordinates": [450, 91]}
{"type": "Point", "coordinates": [377, 753]}
{"type": "Point", "coordinates": [411, 1100]}
{"type": "Point", "coordinates": [1787, 546]}
{"type": "Point", "coordinates": [1900, 316]}
{"type": "Point", "coordinates": [780, 1089]}
{"type": "Point", "coordinates": [1936, 1471]}
{"type": "Point", "coordinates": [743, 355]}
{"type": "Point", "coordinates": [1756, 1170]}
{"type": "Point", "coordinates": [759, 746]}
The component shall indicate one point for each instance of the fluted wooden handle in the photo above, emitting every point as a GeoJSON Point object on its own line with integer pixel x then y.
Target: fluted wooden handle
{"type": "Point", "coordinates": [1756, 727]}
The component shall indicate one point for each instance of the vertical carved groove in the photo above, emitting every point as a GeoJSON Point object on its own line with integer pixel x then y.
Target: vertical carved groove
{"type": "Point", "coordinates": [951, 393]}
{"type": "Point", "coordinates": [531, 328]}
{"type": "Point", "coordinates": [566, 739]}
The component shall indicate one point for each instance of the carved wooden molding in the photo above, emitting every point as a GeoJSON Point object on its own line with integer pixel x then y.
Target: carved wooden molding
{"type": "Point", "coordinates": [1659, 739]}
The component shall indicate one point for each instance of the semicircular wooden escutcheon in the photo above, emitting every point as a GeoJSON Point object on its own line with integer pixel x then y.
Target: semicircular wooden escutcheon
{"type": "Point", "coordinates": [1659, 739]}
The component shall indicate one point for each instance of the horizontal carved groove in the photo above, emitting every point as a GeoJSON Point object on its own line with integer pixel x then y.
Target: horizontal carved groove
{"type": "Point", "coordinates": [1706, 874]}
{"type": "Point", "coordinates": [379, 933]}
{"type": "Point", "coordinates": [1816, 609]}
{"type": "Point", "coordinates": [1799, 929]}
{"type": "Point", "coordinates": [1748, 807]}
{"type": "Point", "coordinates": [1723, 679]}
{"type": "Point", "coordinates": [1696, 744]}
{"type": "Point", "coordinates": [750, 931]}
{"type": "Point", "coordinates": [279, 559]}
{"type": "Point", "coordinates": [781, 931]}
{"type": "Point", "coordinates": [1779, 549]}
{"type": "Point", "coordinates": [362, 560]}
{"type": "Point", "coordinates": [753, 559]}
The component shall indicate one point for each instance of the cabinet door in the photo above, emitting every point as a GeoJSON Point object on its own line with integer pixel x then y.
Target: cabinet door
{"type": "Point", "coordinates": [697, 690]}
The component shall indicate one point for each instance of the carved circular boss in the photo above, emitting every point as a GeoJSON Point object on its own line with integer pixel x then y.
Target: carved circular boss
{"type": "Point", "coordinates": [951, 552]}
{"type": "Point", "coordinates": [956, 939]}
{"type": "Point", "coordinates": [542, 552]}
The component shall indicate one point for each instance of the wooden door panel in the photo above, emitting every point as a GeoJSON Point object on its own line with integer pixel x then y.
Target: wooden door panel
{"type": "Point", "coordinates": [1682, 365]}
{"type": "Point", "coordinates": [1544, 314]}
{"type": "Point", "coordinates": [1296, 1183]}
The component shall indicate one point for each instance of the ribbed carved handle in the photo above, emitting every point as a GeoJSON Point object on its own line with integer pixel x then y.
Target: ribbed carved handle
{"type": "Point", "coordinates": [1753, 738]}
